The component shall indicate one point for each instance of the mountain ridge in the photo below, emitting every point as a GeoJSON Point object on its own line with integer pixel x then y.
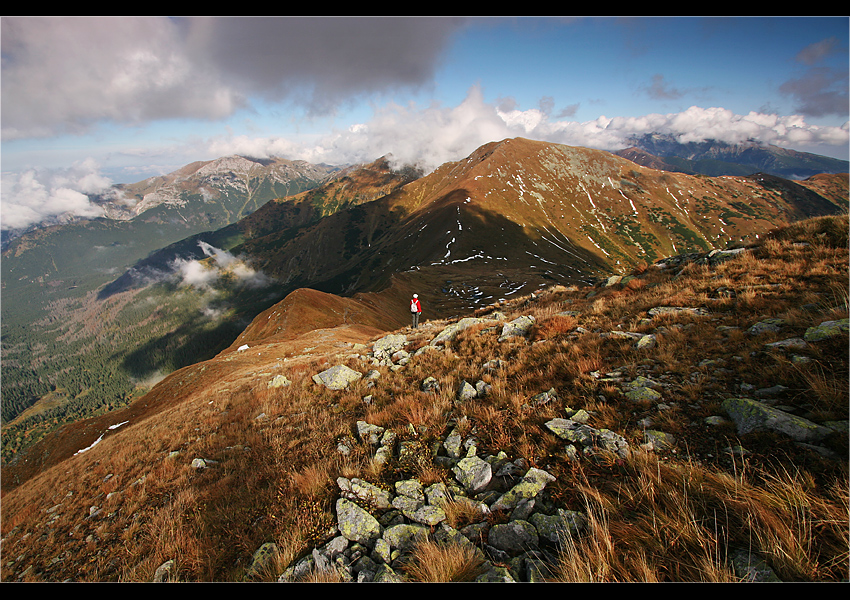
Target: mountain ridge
{"type": "Point", "coordinates": [714, 158]}
{"type": "Point", "coordinates": [249, 446]}
{"type": "Point", "coordinates": [512, 217]}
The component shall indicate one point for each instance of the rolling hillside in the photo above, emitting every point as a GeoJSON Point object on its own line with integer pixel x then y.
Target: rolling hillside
{"type": "Point", "coordinates": [513, 217]}
{"type": "Point", "coordinates": [241, 467]}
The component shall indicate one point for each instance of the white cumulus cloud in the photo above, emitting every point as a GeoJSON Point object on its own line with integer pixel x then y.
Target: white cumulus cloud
{"type": "Point", "coordinates": [50, 195]}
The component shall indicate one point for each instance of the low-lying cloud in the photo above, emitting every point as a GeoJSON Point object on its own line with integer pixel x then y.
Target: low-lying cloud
{"type": "Point", "coordinates": [51, 195]}
{"type": "Point", "coordinates": [204, 275]}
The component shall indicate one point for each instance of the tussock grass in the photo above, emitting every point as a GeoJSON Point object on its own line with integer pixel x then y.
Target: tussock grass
{"type": "Point", "coordinates": [665, 516]}
{"type": "Point", "coordinates": [435, 563]}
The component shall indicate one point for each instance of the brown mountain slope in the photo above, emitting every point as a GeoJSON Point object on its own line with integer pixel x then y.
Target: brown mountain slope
{"type": "Point", "coordinates": [519, 214]}
{"type": "Point", "coordinates": [135, 500]}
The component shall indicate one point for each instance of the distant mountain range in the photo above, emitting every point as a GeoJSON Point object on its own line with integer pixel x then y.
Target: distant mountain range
{"type": "Point", "coordinates": [715, 158]}
{"type": "Point", "coordinates": [201, 196]}
{"type": "Point", "coordinates": [93, 310]}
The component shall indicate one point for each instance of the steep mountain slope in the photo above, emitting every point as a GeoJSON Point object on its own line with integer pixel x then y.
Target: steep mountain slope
{"type": "Point", "coordinates": [57, 262]}
{"type": "Point", "coordinates": [60, 344]}
{"type": "Point", "coordinates": [518, 214]}
{"type": "Point", "coordinates": [78, 341]}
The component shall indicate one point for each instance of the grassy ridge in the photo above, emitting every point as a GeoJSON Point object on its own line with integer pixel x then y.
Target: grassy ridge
{"type": "Point", "coordinates": [675, 515]}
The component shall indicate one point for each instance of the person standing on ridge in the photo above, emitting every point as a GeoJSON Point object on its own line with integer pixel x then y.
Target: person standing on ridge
{"type": "Point", "coordinates": [415, 310]}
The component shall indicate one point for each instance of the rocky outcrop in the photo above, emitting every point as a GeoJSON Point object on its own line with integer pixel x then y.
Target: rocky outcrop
{"type": "Point", "coordinates": [378, 526]}
{"type": "Point", "coordinates": [519, 530]}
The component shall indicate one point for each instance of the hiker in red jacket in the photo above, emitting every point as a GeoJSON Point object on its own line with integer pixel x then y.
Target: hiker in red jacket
{"type": "Point", "coordinates": [415, 309]}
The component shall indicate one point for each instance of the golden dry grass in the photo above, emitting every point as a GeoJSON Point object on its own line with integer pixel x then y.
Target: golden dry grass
{"type": "Point", "coordinates": [664, 517]}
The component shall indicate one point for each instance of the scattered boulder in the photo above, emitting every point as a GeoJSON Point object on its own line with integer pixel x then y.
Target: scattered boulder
{"type": "Point", "coordinates": [450, 332]}
{"type": "Point", "coordinates": [473, 473]}
{"type": "Point", "coordinates": [262, 561]}
{"type": "Point", "coordinates": [430, 384]}
{"type": "Point", "coordinates": [338, 377]}
{"type": "Point", "coordinates": [827, 330]}
{"type": "Point", "coordinates": [466, 392]}
{"type": "Point", "coordinates": [279, 381]}
{"type": "Point", "coordinates": [751, 415]}
{"type": "Point", "coordinates": [660, 311]}
{"type": "Point", "coordinates": [773, 325]}
{"type": "Point", "coordinates": [387, 345]}
{"type": "Point", "coordinates": [355, 523]}
{"type": "Point", "coordinates": [517, 328]}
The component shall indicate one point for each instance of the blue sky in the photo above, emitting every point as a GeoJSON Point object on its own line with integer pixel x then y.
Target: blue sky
{"type": "Point", "coordinates": [87, 102]}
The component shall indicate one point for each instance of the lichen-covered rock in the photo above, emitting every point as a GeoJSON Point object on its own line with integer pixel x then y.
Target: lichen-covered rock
{"type": "Point", "coordinates": [613, 442]}
{"type": "Point", "coordinates": [658, 440]}
{"type": "Point", "coordinates": [751, 415]}
{"type": "Point", "coordinates": [405, 536]}
{"type": "Point", "coordinates": [279, 381]}
{"type": "Point", "coordinates": [639, 393]}
{"type": "Point", "coordinates": [514, 537]}
{"type": "Point", "coordinates": [789, 344]}
{"type": "Point", "coordinates": [660, 311]}
{"type": "Point", "coordinates": [368, 433]}
{"type": "Point", "coordinates": [412, 488]}
{"type": "Point", "coordinates": [450, 332]}
{"type": "Point", "coordinates": [371, 495]}
{"type": "Point", "coordinates": [337, 378]}
{"type": "Point", "coordinates": [466, 392]}
{"type": "Point", "coordinates": [555, 528]}
{"type": "Point", "coordinates": [571, 431]}
{"type": "Point", "coordinates": [532, 483]}
{"type": "Point", "coordinates": [647, 342]}
{"type": "Point", "coordinates": [355, 523]}
{"type": "Point", "coordinates": [518, 327]}
{"type": "Point", "coordinates": [262, 560]}
{"type": "Point", "coordinates": [387, 345]}
{"type": "Point", "coordinates": [430, 384]}
{"type": "Point", "coordinates": [473, 473]}
{"type": "Point", "coordinates": [827, 330]}
{"type": "Point", "coordinates": [773, 325]}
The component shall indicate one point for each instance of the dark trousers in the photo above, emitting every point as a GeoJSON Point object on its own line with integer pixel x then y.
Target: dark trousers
{"type": "Point", "coordinates": [415, 319]}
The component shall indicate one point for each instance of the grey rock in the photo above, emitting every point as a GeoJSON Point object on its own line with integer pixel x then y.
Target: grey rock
{"type": "Point", "coordinates": [388, 344]}
{"type": "Point", "coordinates": [514, 537]}
{"type": "Point", "coordinates": [368, 433]}
{"type": "Point", "coordinates": [450, 332]}
{"type": "Point", "coordinates": [165, 572]}
{"type": "Point", "coordinates": [430, 384]}
{"type": "Point", "coordinates": [767, 326]}
{"type": "Point", "coordinates": [827, 330]}
{"type": "Point", "coordinates": [556, 528]}
{"type": "Point", "coordinates": [658, 440]}
{"type": "Point", "coordinates": [518, 327]}
{"type": "Point", "coordinates": [751, 415]}
{"type": "Point", "coordinates": [405, 536]}
{"type": "Point", "coordinates": [532, 483]}
{"type": "Point", "coordinates": [356, 524]}
{"type": "Point", "coordinates": [279, 381]}
{"type": "Point", "coordinates": [466, 392]}
{"type": "Point", "coordinates": [659, 311]}
{"type": "Point", "coordinates": [337, 378]}
{"type": "Point", "coordinates": [473, 473]}
{"type": "Point", "coordinates": [356, 489]}
{"type": "Point", "coordinates": [262, 560]}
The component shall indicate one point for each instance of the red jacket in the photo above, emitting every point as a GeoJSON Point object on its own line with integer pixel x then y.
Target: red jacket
{"type": "Point", "coordinates": [415, 306]}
